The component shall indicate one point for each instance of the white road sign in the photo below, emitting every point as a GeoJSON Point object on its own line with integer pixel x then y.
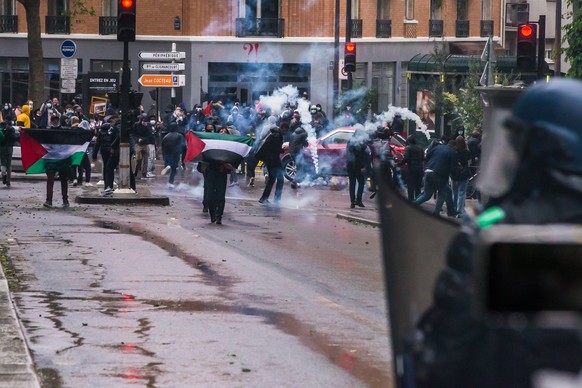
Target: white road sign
{"type": "Point", "coordinates": [168, 55]}
{"type": "Point", "coordinates": [163, 66]}
{"type": "Point", "coordinates": [69, 68]}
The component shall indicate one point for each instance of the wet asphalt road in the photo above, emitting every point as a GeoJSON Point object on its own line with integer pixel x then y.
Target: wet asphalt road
{"type": "Point", "coordinates": [159, 296]}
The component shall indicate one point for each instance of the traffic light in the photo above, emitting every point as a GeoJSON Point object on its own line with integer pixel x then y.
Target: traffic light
{"type": "Point", "coordinates": [126, 20]}
{"type": "Point", "coordinates": [527, 38]}
{"type": "Point", "coordinates": [350, 58]}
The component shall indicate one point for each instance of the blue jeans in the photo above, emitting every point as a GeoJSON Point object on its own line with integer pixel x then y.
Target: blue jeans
{"type": "Point", "coordinates": [459, 193]}
{"type": "Point", "coordinates": [173, 161]}
{"type": "Point", "coordinates": [434, 183]}
{"type": "Point", "coordinates": [275, 173]}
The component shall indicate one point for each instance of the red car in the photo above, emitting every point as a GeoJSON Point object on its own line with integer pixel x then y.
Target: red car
{"type": "Point", "coordinates": [331, 154]}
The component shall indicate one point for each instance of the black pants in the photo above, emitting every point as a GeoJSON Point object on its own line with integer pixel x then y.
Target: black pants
{"type": "Point", "coordinates": [215, 190]}
{"type": "Point", "coordinates": [414, 182]}
{"type": "Point", "coordinates": [110, 161]}
{"type": "Point", "coordinates": [85, 167]}
{"type": "Point", "coordinates": [50, 183]}
{"type": "Point", "coordinates": [356, 175]}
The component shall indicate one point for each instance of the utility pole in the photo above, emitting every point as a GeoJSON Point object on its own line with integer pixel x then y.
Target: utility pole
{"type": "Point", "coordinates": [336, 56]}
{"type": "Point", "coordinates": [349, 35]}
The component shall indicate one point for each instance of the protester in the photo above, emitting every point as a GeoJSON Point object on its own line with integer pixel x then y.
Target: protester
{"type": "Point", "coordinates": [531, 173]}
{"type": "Point", "coordinates": [270, 154]}
{"type": "Point", "coordinates": [414, 159]}
{"type": "Point", "coordinates": [441, 160]}
{"type": "Point", "coordinates": [172, 146]}
{"type": "Point", "coordinates": [358, 160]}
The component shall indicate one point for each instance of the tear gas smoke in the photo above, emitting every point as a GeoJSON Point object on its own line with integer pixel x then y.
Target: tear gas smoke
{"type": "Point", "coordinates": [388, 117]}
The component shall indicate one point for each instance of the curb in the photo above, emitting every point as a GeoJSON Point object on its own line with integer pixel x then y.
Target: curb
{"type": "Point", "coordinates": [16, 365]}
{"type": "Point", "coordinates": [357, 219]}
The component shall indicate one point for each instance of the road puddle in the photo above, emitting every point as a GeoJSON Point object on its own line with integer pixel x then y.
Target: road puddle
{"type": "Point", "coordinates": [351, 360]}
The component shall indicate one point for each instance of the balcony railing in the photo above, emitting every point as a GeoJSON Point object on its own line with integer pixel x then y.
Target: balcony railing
{"type": "Point", "coordinates": [8, 23]}
{"type": "Point", "coordinates": [486, 28]}
{"type": "Point", "coordinates": [383, 28]}
{"type": "Point", "coordinates": [356, 28]}
{"type": "Point", "coordinates": [260, 27]}
{"type": "Point", "coordinates": [435, 28]}
{"type": "Point", "coordinates": [107, 25]}
{"type": "Point", "coordinates": [462, 29]}
{"type": "Point", "coordinates": [58, 24]}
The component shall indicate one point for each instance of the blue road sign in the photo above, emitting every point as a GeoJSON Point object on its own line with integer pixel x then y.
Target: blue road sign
{"type": "Point", "coordinates": [68, 48]}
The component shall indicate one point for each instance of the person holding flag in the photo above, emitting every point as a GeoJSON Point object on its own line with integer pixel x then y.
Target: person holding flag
{"type": "Point", "coordinates": [53, 151]}
{"type": "Point", "coordinates": [222, 153]}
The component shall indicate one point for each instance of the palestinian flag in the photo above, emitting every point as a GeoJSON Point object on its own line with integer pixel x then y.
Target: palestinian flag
{"type": "Point", "coordinates": [52, 148]}
{"type": "Point", "coordinates": [217, 147]}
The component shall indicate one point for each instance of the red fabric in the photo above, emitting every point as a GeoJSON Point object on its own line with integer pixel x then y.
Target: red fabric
{"type": "Point", "coordinates": [31, 150]}
{"type": "Point", "coordinates": [208, 110]}
{"type": "Point", "coordinates": [195, 147]}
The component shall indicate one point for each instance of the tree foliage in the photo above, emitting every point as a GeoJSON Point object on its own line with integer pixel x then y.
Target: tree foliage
{"type": "Point", "coordinates": [35, 52]}
{"type": "Point", "coordinates": [573, 35]}
{"type": "Point", "coordinates": [465, 102]}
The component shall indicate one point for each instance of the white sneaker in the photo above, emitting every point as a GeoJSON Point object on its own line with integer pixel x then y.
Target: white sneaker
{"type": "Point", "coordinates": [170, 186]}
{"type": "Point", "coordinates": [150, 175]}
{"type": "Point", "coordinates": [88, 184]}
{"type": "Point", "coordinates": [75, 183]}
{"type": "Point", "coordinates": [165, 170]}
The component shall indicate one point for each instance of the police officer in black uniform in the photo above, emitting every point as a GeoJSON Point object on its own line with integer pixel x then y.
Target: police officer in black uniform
{"type": "Point", "coordinates": [531, 171]}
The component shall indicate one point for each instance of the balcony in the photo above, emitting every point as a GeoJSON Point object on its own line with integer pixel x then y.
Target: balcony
{"type": "Point", "coordinates": [58, 24]}
{"type": "Point", "coordinates": [107, 25]}
{"type": "Point", "coordinates": [435, 28]}
{"type": "Point", "coordinates": [8, 23]}
{"type": "Point", "coordinates": [260, 27]}
{"type": "Point", "coordinates": [486, 28]}
{"type": "Point", "coordinates": [462, 29]}
{"type": "Point", "coordinates": [383, 28]}
{"type": "Point", "coordinates": [356, 28]}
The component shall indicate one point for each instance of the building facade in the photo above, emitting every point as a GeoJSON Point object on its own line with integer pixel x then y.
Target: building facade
{"type": "Point", "coordinates": [240, 49]}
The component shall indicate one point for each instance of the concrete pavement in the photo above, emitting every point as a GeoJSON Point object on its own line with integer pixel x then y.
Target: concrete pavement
{"type": "Point", "coordinates": [16, 364]}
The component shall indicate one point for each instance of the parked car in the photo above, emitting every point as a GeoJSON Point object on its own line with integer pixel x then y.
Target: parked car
{"type": "Point", "coordinates": [331, 154]}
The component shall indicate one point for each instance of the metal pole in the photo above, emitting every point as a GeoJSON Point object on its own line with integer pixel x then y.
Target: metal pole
{"type": "Point", "coordinates": [125, 124]}
{"type": "Point", "coordinates": [349, 35]}
{"type": "Point", "coordinates": [558, 40]}
{"type": "Point", "coordinates": [336, 54]}
{"type": "Point", "coordinates": [173, 89]}
{"type": "Point", "coordinates": [542, 47]}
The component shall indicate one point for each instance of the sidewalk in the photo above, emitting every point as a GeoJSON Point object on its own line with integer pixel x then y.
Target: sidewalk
{"type": "Point", "coordinates": [16, 366]}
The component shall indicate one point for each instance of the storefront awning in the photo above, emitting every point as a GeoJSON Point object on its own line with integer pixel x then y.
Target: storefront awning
{"type": "Point", "coordinates": [455, 64]}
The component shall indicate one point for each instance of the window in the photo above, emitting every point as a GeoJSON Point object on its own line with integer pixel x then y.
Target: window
{"type": "Point", "coordinates": [462, 10]}
{"type": "Point", "coordinates": [383, 9]}
{"type": "Point", "coordinates": [409, 14]}
{"type": "Point", "coordinates": [58, 7]}
{"type": "Point", "coordinates": [436, 9]}
{"type": "Point", "coordinates": [256, 9]}
{"type": "Point", "coordinates": [486, 10]}
{"type": "Point", "coordinates": [355, 9]}
{"type": "Point", "coordinates": [105, 65]}
{"type": "Point", "coordinates": [7, 7]}
{"type": "Point", "coordinates": [109, 7]}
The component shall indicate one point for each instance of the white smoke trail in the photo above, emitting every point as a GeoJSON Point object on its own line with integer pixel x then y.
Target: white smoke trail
{"type": "Point", "coordinates": [388, 116]}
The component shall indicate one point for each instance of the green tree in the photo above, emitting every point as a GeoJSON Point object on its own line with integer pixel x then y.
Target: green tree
{"type": "Point", "coordinates": [35, 53]}
{"type": "Point", "coordinates": [573, 35]}
{"type": "Point", "coordinates": [465, 102]}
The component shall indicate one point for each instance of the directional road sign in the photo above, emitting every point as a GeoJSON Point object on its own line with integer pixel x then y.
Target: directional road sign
{"type": "Point", "coordinates": [168, 55]}
{"type": "Point", "coordinates": [162, 80]}
{"type": "Point", "coordinates": [163, 66]}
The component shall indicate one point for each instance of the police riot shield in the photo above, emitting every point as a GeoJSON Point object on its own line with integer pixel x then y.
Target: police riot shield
{"type": "Point", "coordinates": [414, 245]}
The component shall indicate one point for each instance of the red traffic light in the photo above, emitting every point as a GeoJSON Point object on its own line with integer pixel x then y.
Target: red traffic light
{"type": "Point", "coordinates": [127, 3]}
{"type": "Point", "coordinates": [526, 31]}
{"type": "Point", "coordinates": [350, 47]}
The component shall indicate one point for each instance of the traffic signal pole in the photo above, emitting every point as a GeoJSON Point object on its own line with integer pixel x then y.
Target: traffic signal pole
{"type": "Point", "coordinates": [349, 36]}
{"type": "Point", "coordinates": [124, 160]}
{"type": "Point", "coordinates": [542, 47]}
